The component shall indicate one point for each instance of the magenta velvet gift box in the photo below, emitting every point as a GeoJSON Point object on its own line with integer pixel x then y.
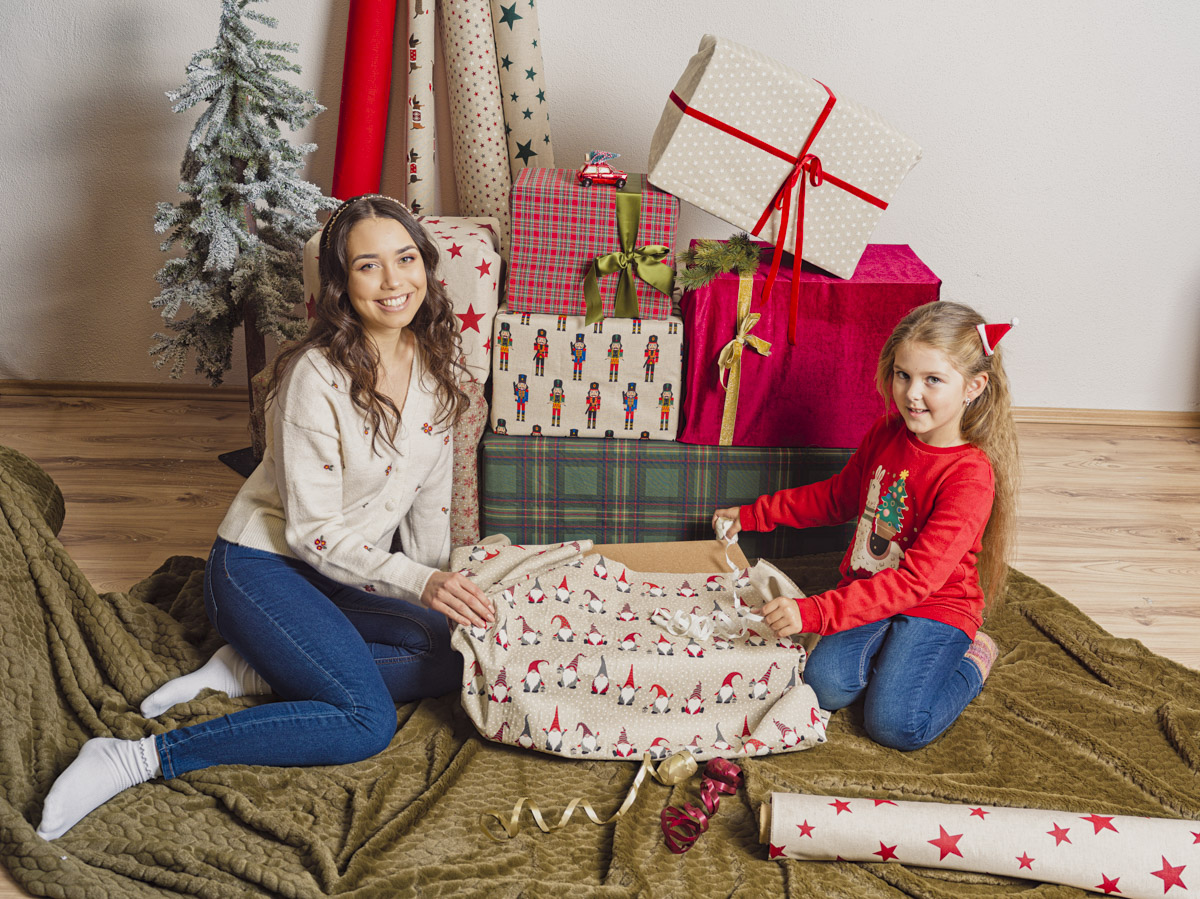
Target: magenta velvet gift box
{"type": "Point", "coordinates": [820, 392]}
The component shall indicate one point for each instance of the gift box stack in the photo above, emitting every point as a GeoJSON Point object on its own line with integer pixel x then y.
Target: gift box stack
{"type": "Point", "coordinates": [624, 410]}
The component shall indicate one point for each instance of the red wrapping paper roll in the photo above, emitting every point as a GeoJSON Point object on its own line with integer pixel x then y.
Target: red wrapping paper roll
{"type": "Point", "coordinates": [366, 91]}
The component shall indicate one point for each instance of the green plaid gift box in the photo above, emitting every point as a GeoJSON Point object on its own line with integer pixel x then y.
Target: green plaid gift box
{"type": "Point", "coordinates": [559, 227]}
{"type": "Point", "coordinates": [547, 489]}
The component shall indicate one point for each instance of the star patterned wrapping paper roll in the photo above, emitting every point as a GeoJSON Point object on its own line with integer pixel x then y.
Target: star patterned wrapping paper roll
{"type": "Point", "coordinates": [522, 85]}
{"type": "Point", "coordinates": [421, 151]}
{"type": "Point", "coordinates": [1120, 855]}
{"type": "Point", "coordinates": [481, 173]}
{"type": "Point", "coordinates": [739, 125]}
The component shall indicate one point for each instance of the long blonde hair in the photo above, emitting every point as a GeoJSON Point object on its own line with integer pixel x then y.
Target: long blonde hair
{"type": "Point", "coordinates": [987, 422]}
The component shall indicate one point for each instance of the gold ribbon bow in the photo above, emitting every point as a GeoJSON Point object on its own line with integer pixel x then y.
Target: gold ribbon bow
{"type": "Point", "coordinates": [730, 360]}
{"type": "Point", "coordinates": [672, 770]}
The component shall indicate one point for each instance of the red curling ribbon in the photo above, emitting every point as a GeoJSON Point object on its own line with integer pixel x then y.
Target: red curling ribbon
{"type": "Point", "coordinates": [802, 163]}
{"type": "Point", "coordinates": [683, 826]}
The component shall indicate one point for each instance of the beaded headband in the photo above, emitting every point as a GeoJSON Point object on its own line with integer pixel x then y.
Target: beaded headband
{"type": "Point", "coordinates": [345, 205]}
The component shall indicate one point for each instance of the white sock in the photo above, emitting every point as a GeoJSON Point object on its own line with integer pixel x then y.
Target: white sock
{"type": "Point", "coordinates": [104, 767]}
{"type": "Point", "coordinates": [225, 671]}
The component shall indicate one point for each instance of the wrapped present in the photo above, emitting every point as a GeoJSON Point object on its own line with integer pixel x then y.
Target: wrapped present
{"type": "Point", "coordinates": [592, 659]}
{"type": "Point", "coordinates": [550, 489]}
{"type": "Point", "coordinates": [747, 386]}
{"type": "Point", "coordinates": [599, 250]}
{"type": "Point", "coordinates": [469, 265]}
{"type": "Point", "coordinates": [618, 377]}
{"type": "Point", "coordinates": [793, 163]}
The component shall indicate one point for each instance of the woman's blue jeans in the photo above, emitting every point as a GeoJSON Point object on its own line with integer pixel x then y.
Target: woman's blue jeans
{"type": "Point", "coordinates": [338, 658]}
{"type": "Point", "coordinates": [912, 671]}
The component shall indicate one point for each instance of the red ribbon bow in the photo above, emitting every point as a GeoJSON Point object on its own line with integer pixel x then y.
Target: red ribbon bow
{"type": "Point", "coordinates": [682, 827]}
{"type": "Point", "coordinates": [802, 162]}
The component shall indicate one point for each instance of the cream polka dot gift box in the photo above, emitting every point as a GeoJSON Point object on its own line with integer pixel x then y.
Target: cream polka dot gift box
{"type": "Point", "coordinates": [778, 154]}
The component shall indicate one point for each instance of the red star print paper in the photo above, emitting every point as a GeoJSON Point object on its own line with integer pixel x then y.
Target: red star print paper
{"type": "Point", "coordinates": [1115, 855]}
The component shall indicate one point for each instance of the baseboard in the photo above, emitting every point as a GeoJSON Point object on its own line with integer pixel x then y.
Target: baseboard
{"type": "Point", "coordinates": [1138, 418]}
{"type": "Point", "coordinates": [1145, 418]}
{"type": "Point", "coordinates": [124, 390]}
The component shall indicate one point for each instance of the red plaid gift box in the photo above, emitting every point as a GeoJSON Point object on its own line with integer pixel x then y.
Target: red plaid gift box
{"type": "Point", "coordinates": [819, 392]}
{"type": "Point", "coordinates": [559, 229]}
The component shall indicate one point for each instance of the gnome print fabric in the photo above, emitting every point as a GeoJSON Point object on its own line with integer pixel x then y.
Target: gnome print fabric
{"type": "Point", "coordinates": [590, 659]}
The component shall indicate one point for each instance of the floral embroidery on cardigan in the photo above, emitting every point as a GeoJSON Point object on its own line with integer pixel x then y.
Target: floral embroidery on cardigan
{"type": "Point", "coordinates": [427, 428]}
{"type": "Point", "coordinates": [319, 543]}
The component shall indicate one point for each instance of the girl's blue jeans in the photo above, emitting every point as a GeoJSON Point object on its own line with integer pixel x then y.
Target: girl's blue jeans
{"type": "Point", "coordinates": [912, 672]}
{"type": "Point", "coordinates": [338, 658]}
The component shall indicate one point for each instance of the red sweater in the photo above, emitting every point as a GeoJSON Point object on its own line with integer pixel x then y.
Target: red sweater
{"type": "Point", "coordinates": [921, 513]}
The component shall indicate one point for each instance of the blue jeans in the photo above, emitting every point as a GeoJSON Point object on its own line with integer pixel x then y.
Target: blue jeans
{"type": "Point", "coordinates": [339, 658]}
{"type": "Point", "coordinates": [911, 670]}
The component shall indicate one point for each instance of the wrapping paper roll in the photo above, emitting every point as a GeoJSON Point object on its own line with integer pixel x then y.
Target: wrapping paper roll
{"type": "Point", "coordinates": [421, 149]}
{"type": "Point", "coordinates": [480, 161]}
{"type": "Point", "coordinates": [1110, 854]}
{"type": "Point", "coordinates": [464, 496]}
{"type": "Point", "coordinates": [522, 85]}
{"type": "Point", "coordinates": [366, 90]}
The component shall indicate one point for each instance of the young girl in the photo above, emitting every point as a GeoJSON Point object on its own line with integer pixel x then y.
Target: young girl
{"type": "Point", "coordinates": [324, 578]}
{"type": "Point", "coordinates": [933, 486]}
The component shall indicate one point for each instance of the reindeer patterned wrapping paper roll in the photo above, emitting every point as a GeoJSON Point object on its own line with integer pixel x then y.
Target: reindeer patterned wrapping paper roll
{"type": "Point", "coordinates": [523, 85]}
{"type": "Point", "coordinates": [575, 665]}
{"type": "Point", "coordinates": [1110, 854]}
{"type": "Point", "coordinates": [421, 149]}
{"type": "Point", "coordinates": [481, 172]}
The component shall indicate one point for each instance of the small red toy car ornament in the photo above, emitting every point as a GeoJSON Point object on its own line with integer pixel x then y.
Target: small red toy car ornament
{"type": "Point", "coordinates": [596, 170]}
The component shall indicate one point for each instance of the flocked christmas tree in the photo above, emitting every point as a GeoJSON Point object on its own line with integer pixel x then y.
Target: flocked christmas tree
{"type": "Point", "coordinates": [248, 214]}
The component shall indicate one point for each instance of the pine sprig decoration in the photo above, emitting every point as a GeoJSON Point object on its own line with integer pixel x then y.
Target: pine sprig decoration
{"type": "Point", "coordinates": [248, 213]}
{"type": "Point", "coordinates": [701, 263]}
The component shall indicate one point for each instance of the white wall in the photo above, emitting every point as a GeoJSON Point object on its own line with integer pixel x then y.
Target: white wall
{"type": "Point", "coordinates": [1059, 181]}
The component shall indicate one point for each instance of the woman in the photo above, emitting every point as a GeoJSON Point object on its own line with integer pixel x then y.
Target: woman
{"type": "Point", "coordinates": [325, 576]}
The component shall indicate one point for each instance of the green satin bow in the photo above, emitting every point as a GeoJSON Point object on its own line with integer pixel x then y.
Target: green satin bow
{"type": "Point", "coordinates": [646, 262]}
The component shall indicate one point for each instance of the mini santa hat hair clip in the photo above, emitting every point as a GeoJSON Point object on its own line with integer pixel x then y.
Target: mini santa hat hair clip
{"type": "Point", "coordinates": [992, 334]}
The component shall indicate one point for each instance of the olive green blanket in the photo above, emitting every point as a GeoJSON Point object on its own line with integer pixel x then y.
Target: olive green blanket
{"type": "Point", "coordinates": [1071, 718]}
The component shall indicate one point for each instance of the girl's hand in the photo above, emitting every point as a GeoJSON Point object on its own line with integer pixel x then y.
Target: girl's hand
{"type": "Point", "coordinates": [782, 615]}
{"type": "Point", "coordinates": [733, 516]}
{"type": "Point", "coordinates": [458, 599]}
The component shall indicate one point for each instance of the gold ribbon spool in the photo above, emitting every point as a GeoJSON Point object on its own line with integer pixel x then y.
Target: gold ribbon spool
{"type": "Point", "coordinates": [672, 770]}
{"type": "Point", "coordinates": [730, 360]}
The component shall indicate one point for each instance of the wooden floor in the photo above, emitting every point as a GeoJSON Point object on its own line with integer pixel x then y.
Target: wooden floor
{"type": "Point", "coordinates": [1109, 515]}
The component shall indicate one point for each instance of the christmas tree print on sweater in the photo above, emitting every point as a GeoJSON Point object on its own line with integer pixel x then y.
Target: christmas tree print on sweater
{"type": "Point", "coordinates": [882, 520]}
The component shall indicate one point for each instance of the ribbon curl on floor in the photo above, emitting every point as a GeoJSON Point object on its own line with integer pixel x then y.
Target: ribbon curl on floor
{"type": "Point", "coordinates": [672, 770]}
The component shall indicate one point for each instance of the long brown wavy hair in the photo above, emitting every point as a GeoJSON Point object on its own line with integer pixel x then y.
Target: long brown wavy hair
{"type": "Point", "coordinates": [337, 329]}
{"type": "Point", "coordinates": [987, 422]}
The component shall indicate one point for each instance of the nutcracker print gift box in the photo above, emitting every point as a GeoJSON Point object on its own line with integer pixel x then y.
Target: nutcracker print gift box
{"type": "Point", "coordinates": [556, 376]}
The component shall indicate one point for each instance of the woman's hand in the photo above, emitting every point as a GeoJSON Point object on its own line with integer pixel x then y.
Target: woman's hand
{"type": "Point", "coordinates": [458, 599]}
{"type": "Point", "coordinates": [733, 516]}
{"type": "Point", "coordinates": [782, 616]}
